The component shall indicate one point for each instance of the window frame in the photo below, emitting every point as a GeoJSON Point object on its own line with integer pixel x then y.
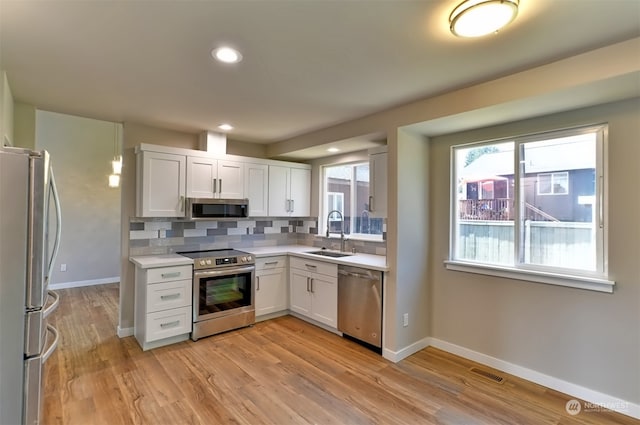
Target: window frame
{"type": "Point", "coordinates": [322, 221]}
{"type": "Point", "coordinates": [584, 279]}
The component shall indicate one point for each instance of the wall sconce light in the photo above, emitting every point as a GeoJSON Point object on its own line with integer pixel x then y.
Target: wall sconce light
{"type": "Point", "coordinates": [116, 164]}
{"type": "Point", "coordinates": [475, 18]}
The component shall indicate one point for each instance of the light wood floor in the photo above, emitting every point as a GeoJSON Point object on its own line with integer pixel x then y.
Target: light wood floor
{"type": "Point", "coordinates": [282, 371]}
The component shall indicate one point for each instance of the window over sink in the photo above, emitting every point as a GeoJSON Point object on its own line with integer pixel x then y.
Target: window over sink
{"type": "Point", "coordinates": [345, 188]}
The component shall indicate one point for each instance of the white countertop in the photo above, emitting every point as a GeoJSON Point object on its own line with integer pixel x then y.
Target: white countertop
{"type": "Point", "coordinates": [165, 260]}
{"type": "Point", "coordinates": [368, 261]}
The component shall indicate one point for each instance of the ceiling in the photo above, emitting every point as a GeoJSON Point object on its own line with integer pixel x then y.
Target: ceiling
{"type": "Point", "coordinates": [307, 64]}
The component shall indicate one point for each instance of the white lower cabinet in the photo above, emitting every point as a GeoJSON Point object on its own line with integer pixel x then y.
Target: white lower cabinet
{"type": "Point", "coordinates": [163, 299]}
{"type": "Point", "coordinates": [271, 286]}
{"type": "Point", "coordinates": [314, 290]}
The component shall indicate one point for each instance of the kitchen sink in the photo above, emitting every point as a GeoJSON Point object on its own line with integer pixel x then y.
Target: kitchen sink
{"type": "Point", "coordinates": [332, 254]}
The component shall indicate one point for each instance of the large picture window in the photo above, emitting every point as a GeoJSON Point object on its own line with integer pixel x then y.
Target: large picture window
{"type": "Point", "coordinates": [346, 189]}
{"type": "Point", "coordinates": [503, 216]}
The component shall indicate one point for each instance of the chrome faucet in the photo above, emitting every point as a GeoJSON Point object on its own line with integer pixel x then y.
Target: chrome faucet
{"type": "Point", "coordinates": [342, 240]}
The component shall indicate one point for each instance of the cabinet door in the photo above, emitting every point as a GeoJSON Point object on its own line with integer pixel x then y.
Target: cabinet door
{"type": "Point", "coordinates": [201, 173]}
{"type": "Point", "coordinates": [324, 298]}
{"type": "Point", "coordinates": [161, 185]}
{"type": "Point", "coordinates": [300, 300]}
{"type": "Point", "coordinates": [271, 291]}
{"type": "Point", "coordinates": [378, 185]}
{"type": "Point", "coordinates": [256, 189]}
{"type": "Point", "coordinates": [279, 191]}
{"type": "Point", "coordinates": [230, 179]}
{"type": "Point", "coordinates": [300, 192]}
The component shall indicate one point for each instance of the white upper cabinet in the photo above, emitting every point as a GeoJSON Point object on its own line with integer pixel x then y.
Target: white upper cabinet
{"type": "Point", "coordinates": [161, 184]}
{"type": "Point", "coordinates": [289, 191]}
{"type": "Point", "coordinates": [214, 178]}
{"type": "Point", "coordinates": [167, 175]}
{"type": "Point", "coordinates": [256, 189]}
{"type": "Point", "coordinates": [378, 184]}
{"type": "Point", "coordinates": [201, 176]}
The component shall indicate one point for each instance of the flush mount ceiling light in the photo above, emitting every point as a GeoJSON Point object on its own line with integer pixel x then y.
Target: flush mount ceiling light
{"type": "Point", "coordinates": [226, 55]}
{"type": "Point", "coordinates": [225, 127]}
{"type": "Point", "coordinates": [475, 18]}
{"type": "Point", "coordinates": [332, 150]}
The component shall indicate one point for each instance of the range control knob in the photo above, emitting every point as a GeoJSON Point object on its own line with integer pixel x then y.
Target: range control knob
{"type": "Point", "coordinates": [208, 262]}
{"type": "Point", "coordinates": [202, 262]}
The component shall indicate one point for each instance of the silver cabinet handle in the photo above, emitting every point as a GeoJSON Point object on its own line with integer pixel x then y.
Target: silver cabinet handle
{"type": "Point", "coordinates": [293, 205]}
{"type": "Point", "coordinates": [181, 202]}
{"type": "Point", "coordinates": [311, 266]}
{"type": "Point", "coordinates": [169, 324]}
{"type": "Point", "coordinates": [308, 284]}
{"type": "Point", "coordinates": [311, 279]}
{"type": "Point", "coordinates": [215, 185]}
{"type": "Point", "coordinates": [270, 263]}
{"type": "Point", "coordinates": [257, 283]}
{"type": "Point", "coordinates": [220, 186]}
{"type": "Point", "coordinates": [370, 203]}
{"type": "Point", "coordinates": [172, 274]}
{"type": "Point", "coordinates": [170, 297]}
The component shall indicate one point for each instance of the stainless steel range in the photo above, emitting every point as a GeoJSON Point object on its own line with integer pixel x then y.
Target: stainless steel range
{"type": "Point", "coordinates": [223, 291]}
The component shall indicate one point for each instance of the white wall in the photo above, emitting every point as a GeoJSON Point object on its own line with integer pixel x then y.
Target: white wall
{"type": "Point", "coordinates": [81, 152]}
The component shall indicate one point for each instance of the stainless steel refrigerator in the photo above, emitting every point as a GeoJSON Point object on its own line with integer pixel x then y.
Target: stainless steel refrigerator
{"type": "Point", "coordinates": [29, 239]}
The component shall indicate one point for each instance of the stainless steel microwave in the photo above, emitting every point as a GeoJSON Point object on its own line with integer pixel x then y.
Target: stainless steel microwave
{"type": "Point", "coordinates": [204, 208]}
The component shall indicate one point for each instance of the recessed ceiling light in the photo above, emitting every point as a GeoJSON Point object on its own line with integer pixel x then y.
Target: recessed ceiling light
{"type": "Point", "coordinates": [475, 18]}
{"type": "Point", "coordinates": [225, 127]}
{"type": "Point", "coordinates": [333, 150]}
{"type": "Point", "coordinates": [226, 55]}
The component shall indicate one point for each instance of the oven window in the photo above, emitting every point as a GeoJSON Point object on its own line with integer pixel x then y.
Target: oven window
{"type": "Point", "coordinates": [222, 293]}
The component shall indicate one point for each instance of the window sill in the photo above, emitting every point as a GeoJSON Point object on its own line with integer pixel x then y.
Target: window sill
{"type": "Point", "coordinates": [572, 281]}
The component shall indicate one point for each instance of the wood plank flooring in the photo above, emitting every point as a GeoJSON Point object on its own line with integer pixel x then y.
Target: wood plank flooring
{"type": "Point", "coordinates": [283, 371]}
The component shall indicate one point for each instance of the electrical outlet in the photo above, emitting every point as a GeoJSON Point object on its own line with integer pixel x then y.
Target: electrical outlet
{"type": "Point", "coordinates": [405, 320]}
{"type": "Point", "coordinates": [63, 267]}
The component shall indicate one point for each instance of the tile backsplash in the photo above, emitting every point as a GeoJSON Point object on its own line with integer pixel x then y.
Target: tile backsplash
{"type": "Point", "coordinates": [164, 236]}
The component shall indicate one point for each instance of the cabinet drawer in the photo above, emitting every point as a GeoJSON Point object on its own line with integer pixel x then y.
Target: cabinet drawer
{"type": "Point", "coordinates": [328, 269]}
{"type": "Point", "coordinates": [164, 324]}
{"type": "Point", "coordinates": [167, 295]}
{"type": "Point", "coordinates": [271, 262]}
{"type": "Point", "coordinates": [168, 274]}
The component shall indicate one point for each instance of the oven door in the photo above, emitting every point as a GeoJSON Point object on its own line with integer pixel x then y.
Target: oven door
{"type": "Point", "coordinates": [224, 291]}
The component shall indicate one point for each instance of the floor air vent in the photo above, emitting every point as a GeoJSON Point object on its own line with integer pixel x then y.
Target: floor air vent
{"type": "Point", "coordinates": [492, 376]}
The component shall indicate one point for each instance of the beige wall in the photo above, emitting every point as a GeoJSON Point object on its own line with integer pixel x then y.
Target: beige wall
{"type": "Point", "coordinates": [587, 338]}
{"type": "Point", "coordinates": [24, 125]}
{"type": "Point", "coordinates": [81, 151]}
{"type": "Point", "coordinates": [407, 240]}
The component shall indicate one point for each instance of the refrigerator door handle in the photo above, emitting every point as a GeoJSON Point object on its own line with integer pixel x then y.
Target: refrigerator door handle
{"type": "Point", "coordinates": [54, 344]}
{"type": "Point", "coordinates": [56, 300]}
{"type": "Point", "coordinates": [56, 201]}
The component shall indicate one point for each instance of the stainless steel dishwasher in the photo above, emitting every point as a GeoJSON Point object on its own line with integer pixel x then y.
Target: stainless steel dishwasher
{"type": "Point", "coordinates": [360, 304]}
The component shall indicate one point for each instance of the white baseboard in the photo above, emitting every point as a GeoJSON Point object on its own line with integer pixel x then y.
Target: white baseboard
{"type": "Point", "coordinates": [596, 398]}
{"type": "Point", "coordinates": [79, 283]}
{"type": "Point", "coordinates": [396, 356]}
{"type": "Point", "coordinates": [124, 332]}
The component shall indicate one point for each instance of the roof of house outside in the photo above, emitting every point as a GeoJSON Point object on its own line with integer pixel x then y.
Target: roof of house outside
{"type": "Point", "coordinates": [575, 153]}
